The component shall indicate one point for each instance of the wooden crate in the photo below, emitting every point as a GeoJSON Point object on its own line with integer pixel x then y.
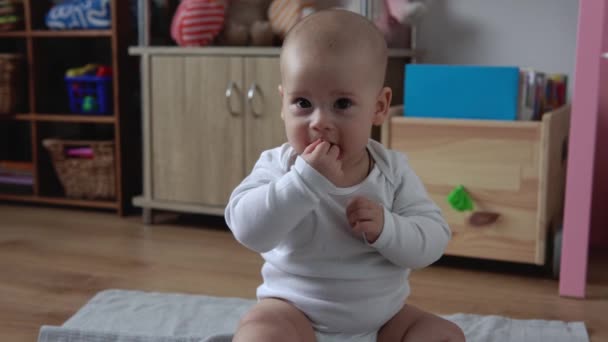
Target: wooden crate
{"type": "Point", "coordinates": [516, 169]}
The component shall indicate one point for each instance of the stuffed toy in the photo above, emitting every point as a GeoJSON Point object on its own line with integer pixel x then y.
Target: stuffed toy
{"type": "Point", "coordinates": [79, 14]}
{"type": "Point", "coordinates": [197, 22]}
{"type": "Point", "coordinates": [246, 24]}
{"type": "Point", "coordinates": [284, 14]}
{"type": "Point", "coordinates": [396, 17]}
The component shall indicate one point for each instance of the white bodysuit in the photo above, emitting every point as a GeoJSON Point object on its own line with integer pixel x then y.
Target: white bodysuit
{"type": "Point", "coordinates": [296, 219]}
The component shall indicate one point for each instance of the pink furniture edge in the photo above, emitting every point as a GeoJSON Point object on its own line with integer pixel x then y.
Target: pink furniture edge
{"type": "Point", "coordinates": [582, 147]}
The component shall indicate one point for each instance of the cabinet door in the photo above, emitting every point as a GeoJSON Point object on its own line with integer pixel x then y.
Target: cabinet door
{"type": "Point", "coordinates": [264, 126]}
{"type": "Point", "coordinates": [197, 143]}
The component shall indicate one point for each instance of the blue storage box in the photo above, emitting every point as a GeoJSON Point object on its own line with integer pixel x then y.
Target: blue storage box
{"type": "Point", "coordinates": [90, 94]}
{"type": "Point", "coordinates": [461, 92]}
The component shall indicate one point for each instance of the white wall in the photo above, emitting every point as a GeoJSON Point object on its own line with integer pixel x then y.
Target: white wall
{"type": "Point", "coordinates": [540, 34]}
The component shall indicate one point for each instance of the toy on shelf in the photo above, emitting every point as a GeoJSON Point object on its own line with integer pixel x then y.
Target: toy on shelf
{"type": "Point", "coordinates": [197, 22]}
{"type": "Point", "coordinates": [80, 15]}
{"type": "Point", "coordinates": [460, 200]}
{"type": "Point", "coordinates": [246, 24]}
{"type": "Point", "coordinates": [89, 89]}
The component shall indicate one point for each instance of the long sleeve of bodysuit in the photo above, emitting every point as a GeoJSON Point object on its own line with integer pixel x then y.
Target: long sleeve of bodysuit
{"type": "Point", "coordinates": [270, 202]}
{"type": "Point", "coordinates": [414, 234]}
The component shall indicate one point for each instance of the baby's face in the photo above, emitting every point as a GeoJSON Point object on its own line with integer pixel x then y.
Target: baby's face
{"type": "Point", "coordinates": [330, 98]}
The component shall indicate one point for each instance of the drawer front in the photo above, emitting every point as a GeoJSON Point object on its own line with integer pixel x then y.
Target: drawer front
{"type": "Point", "coordinates": [499, 168]}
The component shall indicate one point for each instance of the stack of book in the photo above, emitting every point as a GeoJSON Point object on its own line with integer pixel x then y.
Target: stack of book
{"type": "Point", "coordinates": [540, 93]}
{"type": "Point", "coordinates": [16, 177]}
{"type": "Point", "coordinates": [10, 14]}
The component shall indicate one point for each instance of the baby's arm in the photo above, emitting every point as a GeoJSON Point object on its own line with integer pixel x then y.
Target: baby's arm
{"type": "Point", "coordinates": [270, 202]}
{"type": "Point", "coordinates": [414, 233]}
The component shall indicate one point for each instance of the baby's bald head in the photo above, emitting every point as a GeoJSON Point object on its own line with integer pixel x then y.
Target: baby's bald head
{"type": "Point", "coordinates": [338, 34]}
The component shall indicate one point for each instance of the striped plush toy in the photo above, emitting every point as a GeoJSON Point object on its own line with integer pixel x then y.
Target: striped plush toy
{"type": "Point", "coordinates": [284, 14]}
{"type": "Point", "coordinates": [197, 22]}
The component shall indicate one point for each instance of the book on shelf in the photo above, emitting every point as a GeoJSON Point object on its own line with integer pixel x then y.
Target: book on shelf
{"type": "Point", "coordinates": [540, 93]}
{"type": "Point", "coordinates": [16, 177]}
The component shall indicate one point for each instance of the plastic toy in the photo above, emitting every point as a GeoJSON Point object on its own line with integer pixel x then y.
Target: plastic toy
{"type": "Point", "coordinates": [460, 199]}
{"type": "Point", "coordinates": [89, 104]}
{"type": "Point", "coordinates": [89, 89]}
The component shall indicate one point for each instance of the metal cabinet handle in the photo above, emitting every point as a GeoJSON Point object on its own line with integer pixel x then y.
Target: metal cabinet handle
{"type": "Point", "coordinates": [229, 90]}
{"type": "Point", "coordinates": [253, 89]}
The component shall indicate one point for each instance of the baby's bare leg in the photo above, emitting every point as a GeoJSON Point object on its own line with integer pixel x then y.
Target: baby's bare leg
{"type": "Point", "coordinates": [413, 324]}
{"type": "Point", "coordinates": [274, 320]}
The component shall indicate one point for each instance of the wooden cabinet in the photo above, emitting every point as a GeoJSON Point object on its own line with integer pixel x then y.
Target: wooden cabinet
{"type": "Point", "coordinates": [515, 169]}
{"type": "Point", "coordinates": [197, 145]}
{"type": "Point", "coordinates": [207, 119]}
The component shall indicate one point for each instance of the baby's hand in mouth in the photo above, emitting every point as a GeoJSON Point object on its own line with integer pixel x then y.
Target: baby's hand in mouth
{"type": "Point", "coordinates": [325, 157]}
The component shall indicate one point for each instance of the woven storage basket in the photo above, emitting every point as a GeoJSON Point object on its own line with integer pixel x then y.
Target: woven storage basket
{"type": "Point", "coordinates": [9, 82]}
{"type": "Point", "coordinates": [84, 178]}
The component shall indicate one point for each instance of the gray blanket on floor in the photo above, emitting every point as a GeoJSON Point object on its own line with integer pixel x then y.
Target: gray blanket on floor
{"type": "Point", "coordinates": [136, 316]}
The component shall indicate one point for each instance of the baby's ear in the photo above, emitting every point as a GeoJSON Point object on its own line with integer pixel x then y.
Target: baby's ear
{"type": "Point", "coordinates": [383, 103]}
{"type": "Point", "coordinates": [280, 88]}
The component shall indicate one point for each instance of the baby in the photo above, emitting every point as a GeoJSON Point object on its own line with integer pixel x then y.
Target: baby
{"type": "Point", "coordinates": [339, 219]}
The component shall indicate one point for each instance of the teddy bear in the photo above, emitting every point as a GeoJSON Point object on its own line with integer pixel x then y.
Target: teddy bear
{"type": "Point", "coordinates": [284, 14]}
{"type": "Point", "coordinates": [246, 24]}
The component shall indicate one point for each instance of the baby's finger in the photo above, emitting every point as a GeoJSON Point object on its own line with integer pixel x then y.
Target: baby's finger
{"type": "Point", "coordinates": [364, 227]}
{"type": "Point", "coordinates": [362, 215]}
{"type": "Point", "coordinates": [358, 202]}
{"type": "Point", "coordinates": [354, 203]}
{"type": "Point", "coordinates": [321, 149]}
{"type": "Point", "coordinates": [312, 146]}
{"type": "Point", "coordinates": [334, 152]}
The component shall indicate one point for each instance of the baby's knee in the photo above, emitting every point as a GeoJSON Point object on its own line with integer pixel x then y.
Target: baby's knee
{"type": "Point", "coordinates": [453, 333]}
{"type": "Point", "coordinates": [267, 326]}
{"type": "Point", "coordinates": [258, 326]}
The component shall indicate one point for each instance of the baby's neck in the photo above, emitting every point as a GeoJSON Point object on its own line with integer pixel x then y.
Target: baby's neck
{"type": "Point", "coordinates": [356, 170]}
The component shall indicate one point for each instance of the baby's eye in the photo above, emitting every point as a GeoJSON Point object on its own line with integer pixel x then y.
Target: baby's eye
{"type": "Point", "coordinates": [302, 103]}
{"type": "Point", "coordinates": [343, 103]}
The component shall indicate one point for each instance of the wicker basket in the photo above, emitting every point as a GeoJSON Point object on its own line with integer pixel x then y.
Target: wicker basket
{"type": "Point", "coordinates": [84, 178]}
{"type": "Point", "coordinates": [9, 82]}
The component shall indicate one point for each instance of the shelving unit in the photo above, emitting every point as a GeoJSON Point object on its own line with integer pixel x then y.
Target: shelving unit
{"type": "Point", "coordinates": [44, 112]}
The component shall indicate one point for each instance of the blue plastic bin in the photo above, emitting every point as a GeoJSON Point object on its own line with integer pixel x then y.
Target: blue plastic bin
{"type": "Point", "coordinates": [97, 90]}
{"type": "Point", "coordinates": [461, 91]}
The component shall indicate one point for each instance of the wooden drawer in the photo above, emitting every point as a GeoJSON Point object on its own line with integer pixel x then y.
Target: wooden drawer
{"type": "Point", "coordinates": [515, 169]}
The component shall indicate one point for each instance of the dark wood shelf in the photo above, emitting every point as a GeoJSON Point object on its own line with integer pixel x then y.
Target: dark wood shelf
{"type": "Point", "coordinates": [17, 117]}
{"type": "Point", "coordinates": [70, 33]}
{"type": "Point", "coordinates": [57, 34]}
{"type": "Point", "coordinates": [60, 201]}
{"type": "Point", "coordinates": [68, 118]}
{"type": "Point", "coordinates": [75, 118]}
{"type": "Point", "coordinates": [13, 34]}
{"type": "Point", "coordinates": [46, 55]}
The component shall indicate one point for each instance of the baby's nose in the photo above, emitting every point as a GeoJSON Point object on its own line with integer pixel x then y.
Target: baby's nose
{"type": "Point", "coordinates": [321, 120]}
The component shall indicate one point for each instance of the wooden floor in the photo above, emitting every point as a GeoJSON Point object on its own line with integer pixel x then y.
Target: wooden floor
{"type": "Point", "coordinates": [53, 260]}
